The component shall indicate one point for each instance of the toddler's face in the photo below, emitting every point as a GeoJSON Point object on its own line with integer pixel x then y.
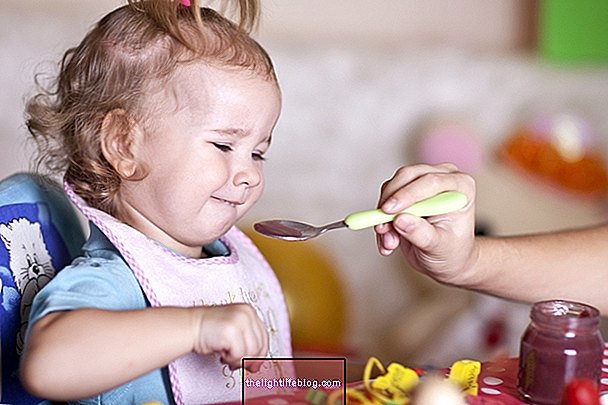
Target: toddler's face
{"type": "Point", "coordinates": [204, 150]}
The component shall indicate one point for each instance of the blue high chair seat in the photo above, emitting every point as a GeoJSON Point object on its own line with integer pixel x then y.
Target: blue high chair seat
{"type": "Point", "coordinates": [40, 234]}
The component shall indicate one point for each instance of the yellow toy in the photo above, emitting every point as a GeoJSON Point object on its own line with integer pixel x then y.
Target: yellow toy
{"type": "Point", "coordinates": [396, 383]}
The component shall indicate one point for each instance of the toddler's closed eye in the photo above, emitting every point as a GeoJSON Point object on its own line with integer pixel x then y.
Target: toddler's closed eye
{"type": "Point", "coordinates": [223, 147]}
{"type": "Point", "coordinates": [258, 156]}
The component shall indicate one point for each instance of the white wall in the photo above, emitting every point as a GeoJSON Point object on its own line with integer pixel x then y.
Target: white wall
{"type": "Point", "coordinates": [358, 80]}
{"type": "Point", "coordinates": [35, 32]}
{"type": "Point", "coordinates": [480, 24]}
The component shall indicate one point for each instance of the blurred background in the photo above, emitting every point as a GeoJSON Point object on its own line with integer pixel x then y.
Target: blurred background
{"type": "Point", "coordinates": [513, 91]}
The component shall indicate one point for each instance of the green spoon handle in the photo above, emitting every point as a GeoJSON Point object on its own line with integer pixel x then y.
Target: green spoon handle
{"type": "Point", "coordinates": [442, 203]}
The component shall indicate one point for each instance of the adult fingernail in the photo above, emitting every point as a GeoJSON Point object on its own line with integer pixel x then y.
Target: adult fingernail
{"type": "Point", "coordinates": [385, 252]}
{"type": "Point", "coordinates": [404, 225]}
{"type": "Point", "coordinates": [390, 240]}
{"type": "Point", "coordinates": [390, 204]}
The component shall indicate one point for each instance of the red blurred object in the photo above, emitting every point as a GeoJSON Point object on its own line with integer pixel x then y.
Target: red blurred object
{"type": "Point", "coordinates": [581, 391]}
{"type": "Point", "coordinates": [495, 332]}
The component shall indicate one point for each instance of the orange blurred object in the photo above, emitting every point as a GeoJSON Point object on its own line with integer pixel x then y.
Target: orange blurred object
{"type": "Point", "coordinates": [566, 159]}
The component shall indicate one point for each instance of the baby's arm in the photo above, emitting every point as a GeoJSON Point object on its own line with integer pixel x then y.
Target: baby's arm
{"type": "Point", "coordinates": [122, 345]}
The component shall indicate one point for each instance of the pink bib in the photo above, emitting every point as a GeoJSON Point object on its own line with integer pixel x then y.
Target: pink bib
{"type": "Point", "coordinates": [169, 279]}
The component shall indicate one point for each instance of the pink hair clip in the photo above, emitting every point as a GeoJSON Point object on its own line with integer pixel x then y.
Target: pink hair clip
{"type": "Point", "coordinates": [185, 3]}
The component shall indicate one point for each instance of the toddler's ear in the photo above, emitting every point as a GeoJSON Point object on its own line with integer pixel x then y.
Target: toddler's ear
{"type": "Point", "coordinates": [120, 138]}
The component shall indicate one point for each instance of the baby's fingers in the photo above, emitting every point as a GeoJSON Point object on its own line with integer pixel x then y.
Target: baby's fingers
{"type": "Point", "coordinates": [254, 365]}
{"type": "Point", "coordinates": [234, 331]}
{"type": "Point", "coordinates": [239, 348]}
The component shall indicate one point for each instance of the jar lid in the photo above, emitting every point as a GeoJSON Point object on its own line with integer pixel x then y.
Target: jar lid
{"type": "Point", "coordinates": [565, 313]}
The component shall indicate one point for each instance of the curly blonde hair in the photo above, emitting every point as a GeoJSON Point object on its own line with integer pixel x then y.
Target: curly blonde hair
{"type": "Point", "coordinates": [140, 43]}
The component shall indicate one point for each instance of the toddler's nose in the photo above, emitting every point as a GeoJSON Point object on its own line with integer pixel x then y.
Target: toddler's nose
{"type": "Point", "coordinates": [249, 176]}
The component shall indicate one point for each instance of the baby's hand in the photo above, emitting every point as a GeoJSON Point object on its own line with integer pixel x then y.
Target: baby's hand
{"type": "Point", "coordinates": [234, 331]}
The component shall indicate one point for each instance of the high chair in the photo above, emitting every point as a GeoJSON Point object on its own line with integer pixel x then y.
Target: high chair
{"type": "Point", "coordinates": [40, 233]}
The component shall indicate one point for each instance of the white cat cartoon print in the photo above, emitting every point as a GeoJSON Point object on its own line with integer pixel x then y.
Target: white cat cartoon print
{"type": "Point", "coordinates": [30, 263]}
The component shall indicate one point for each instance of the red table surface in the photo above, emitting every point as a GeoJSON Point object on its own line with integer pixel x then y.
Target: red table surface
{"type": "Point", "coordinates": [497, 386]}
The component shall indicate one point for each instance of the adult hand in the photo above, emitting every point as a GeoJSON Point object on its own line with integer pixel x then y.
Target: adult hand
{"type": "Point", "coordinates": [442, 246]}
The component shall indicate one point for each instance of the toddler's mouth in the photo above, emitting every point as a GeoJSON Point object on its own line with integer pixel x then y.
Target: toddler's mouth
{"type": "Point", "coordinates": [229, 202]}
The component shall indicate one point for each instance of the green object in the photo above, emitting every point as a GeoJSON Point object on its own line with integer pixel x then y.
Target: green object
{"type": "Point", "coordinates": [316, 397]}
{"type": "Point", "coordinates": [574, 30]}
{"type": "Point", "coordinates": [440, 204]}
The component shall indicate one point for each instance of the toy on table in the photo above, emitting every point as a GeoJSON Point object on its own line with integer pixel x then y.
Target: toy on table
{"type": "Point", "coordinates": [438, 391]}
{"type": "Point", "coordinates": [397, 384]}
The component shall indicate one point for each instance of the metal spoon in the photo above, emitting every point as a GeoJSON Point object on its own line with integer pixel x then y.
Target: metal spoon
{"type": "Point", "coordinates": [286, 229]}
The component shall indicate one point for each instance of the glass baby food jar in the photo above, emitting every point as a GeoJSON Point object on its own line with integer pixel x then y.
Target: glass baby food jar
{"type": "Point", "coordinates": [563, 341]}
